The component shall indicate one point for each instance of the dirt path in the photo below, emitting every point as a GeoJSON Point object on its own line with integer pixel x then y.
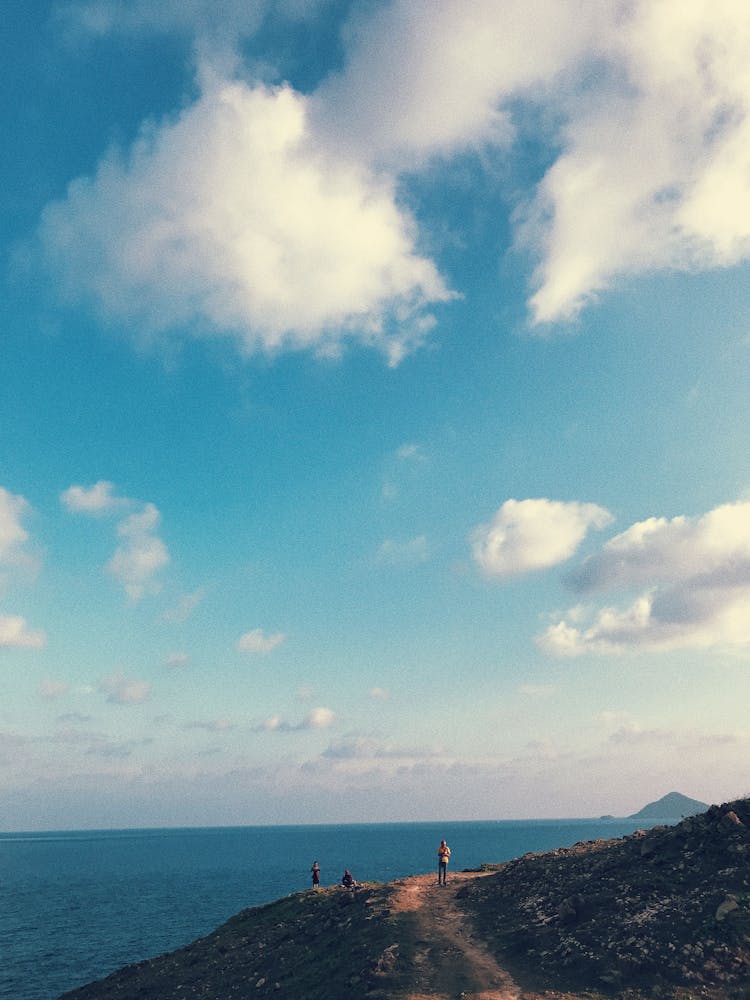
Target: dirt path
{"type": "Point", "coordinates": [451, 960]}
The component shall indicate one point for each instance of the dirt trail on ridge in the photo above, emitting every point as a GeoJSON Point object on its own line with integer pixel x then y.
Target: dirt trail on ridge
{"type": "Point", "coordinates": [451, 961]}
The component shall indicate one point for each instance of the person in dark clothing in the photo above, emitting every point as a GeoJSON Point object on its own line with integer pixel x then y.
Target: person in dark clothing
{"type": "Point", "coordinates": [348, 880]}
{"type": "Point", "coordinates": [315, 871]}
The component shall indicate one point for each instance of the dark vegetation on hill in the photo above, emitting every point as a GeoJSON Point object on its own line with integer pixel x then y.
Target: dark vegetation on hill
{"type": "Point", "coordinates": [660, 913]}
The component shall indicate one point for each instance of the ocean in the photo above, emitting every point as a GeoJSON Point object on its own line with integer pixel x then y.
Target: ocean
{"type": "Point", "coordinates": [75, 906]}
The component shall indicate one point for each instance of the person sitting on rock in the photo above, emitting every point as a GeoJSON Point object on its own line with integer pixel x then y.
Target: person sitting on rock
{"type": "Point", "coordinates": [348, 880]}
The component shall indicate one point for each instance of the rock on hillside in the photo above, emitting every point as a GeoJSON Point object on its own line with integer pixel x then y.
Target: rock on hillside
{"type": "Point", "coordinates": [665, 912]}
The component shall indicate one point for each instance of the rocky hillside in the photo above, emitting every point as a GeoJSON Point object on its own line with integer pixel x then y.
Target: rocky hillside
{"type": "Point", "coordinates": [656, 910]}
{"type": "Point", "coordinates": [662, 913]}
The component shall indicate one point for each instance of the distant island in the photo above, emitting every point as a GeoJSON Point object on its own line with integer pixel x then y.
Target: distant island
{"type": "Point", "coordinates": [672, 806]}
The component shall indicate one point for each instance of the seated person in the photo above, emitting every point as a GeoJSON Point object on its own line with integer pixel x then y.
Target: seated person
{"type": "Point", "coordinates": [348, 879]}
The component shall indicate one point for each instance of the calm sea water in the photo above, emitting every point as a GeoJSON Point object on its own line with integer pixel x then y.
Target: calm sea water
{"type": "Point", "coordinates": [76, 906]}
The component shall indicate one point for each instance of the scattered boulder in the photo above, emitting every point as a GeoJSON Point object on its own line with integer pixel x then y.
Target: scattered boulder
{"type": "Point", "coordinates": [571, 909]}
{"type": "Point", "coordinates": [731, 819]}
{"type": "Point", "coordinates": [727, 908]}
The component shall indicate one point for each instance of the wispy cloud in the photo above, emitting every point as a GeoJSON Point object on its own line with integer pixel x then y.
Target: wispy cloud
{"type": "Point", "coordinates": [185, 607]}
{"type": "Point", "coordinates": [222, 725]}
{"type": "Point", "coordinates": [96, 499]}
{"type": "Point", "coordinates": [527, 535]}
{"type": "Point", "coordinates": [256, 641]}
{"type": "Point", "coordinates": [371, 748]}
{"type": "Point", "coordinates": [411, 452]}
{"type": "Point", "coordinates": [213, 27]}
{"type": "Point", "coordinates": [537, 691]}
{"type": "Point", "coordinates": [318, 718]}
{"type": "Point", "coordinates": [176, 661]}
{"type": "Point", "coordinates": [52, 689]}
{"type": "Point", "coordinates": [121, 690]}
{"type": "Point", "coordinates": [633, 734]}
{"type": "Point", "coordinates": [409, 552]}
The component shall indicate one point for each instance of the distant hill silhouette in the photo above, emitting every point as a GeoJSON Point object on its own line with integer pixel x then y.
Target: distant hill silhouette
{"type": "Point", "coordinates": [671, 806]}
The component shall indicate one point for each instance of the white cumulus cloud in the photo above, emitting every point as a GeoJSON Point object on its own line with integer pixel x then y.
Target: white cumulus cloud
{"type": "Point", "coordinates": [692, 583]}
{"type": "Point", "coordinates": [15, 633]}
{"type": "Point", "coordinates": [426, 78]}
{"type": "Point", "coordinates": [655, 166]}
{"type": "Point", "coordinates": [141, 553]}
{"type": "Point", "coordinates": [271, 217]}
{"type": "Point", "coordinates": [534, 534]}
{"type": "Point", "coordinates": [648, 104]}
{"type": "Point", "coordinates": [232, 219]}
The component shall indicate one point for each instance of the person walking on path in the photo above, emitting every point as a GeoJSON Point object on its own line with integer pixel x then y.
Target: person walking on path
{"type": "Point", "coordinates": [443, 853]}
{"type": "Point", "coordinates": [315, 871]}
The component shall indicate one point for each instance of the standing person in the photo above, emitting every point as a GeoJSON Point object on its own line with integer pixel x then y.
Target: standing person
{"type": "Point", "coordinates": [443, 853]}
{"type": "Point", "coordinates": [315, 871]}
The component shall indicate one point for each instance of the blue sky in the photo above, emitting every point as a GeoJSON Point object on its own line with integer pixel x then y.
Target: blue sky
{"type": "Point", "coordinates": [374, 411]}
